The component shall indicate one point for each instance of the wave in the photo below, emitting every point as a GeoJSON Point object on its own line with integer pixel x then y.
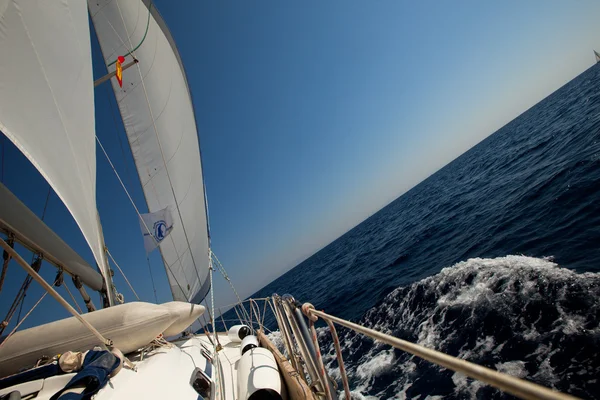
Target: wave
{"type": "Point", "coordinates": [524, 316]}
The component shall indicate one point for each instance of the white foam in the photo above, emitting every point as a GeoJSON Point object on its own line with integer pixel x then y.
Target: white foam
{"type": "Point", "coordinates": [376, 365]}
{"type": "Point", "coordinates": [466, 387]}
{"type": "Point", "coordinates": [426, 310]}
{"type": "Point", "coordinates": [514, 368]}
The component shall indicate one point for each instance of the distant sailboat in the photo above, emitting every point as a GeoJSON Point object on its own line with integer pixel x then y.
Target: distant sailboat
{"type": "Point", "coordinates": [597, 56]}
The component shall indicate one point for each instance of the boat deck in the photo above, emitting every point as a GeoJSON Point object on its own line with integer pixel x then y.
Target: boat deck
{"type": "Point", "coordinates": [163, 373]}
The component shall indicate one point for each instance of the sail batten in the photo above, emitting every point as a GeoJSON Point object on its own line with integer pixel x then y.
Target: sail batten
{"type": "Point", "coordinates": [47, 102]}
{"type": "Point", "coordinates": [156, 107]}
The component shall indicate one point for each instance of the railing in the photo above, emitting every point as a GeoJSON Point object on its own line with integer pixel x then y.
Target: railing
{"type": "Point", "coordinates": [304, 354]}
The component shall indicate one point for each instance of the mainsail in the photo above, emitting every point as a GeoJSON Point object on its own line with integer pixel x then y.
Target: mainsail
{"type": "Point", "coordinates": [597, 56]}
{"type": "Point", "coordinates": [157, 112]}
{"type": "Point", "coordinates": [47, 102]}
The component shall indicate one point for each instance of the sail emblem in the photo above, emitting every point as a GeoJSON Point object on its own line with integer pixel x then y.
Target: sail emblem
{"type": "Point", "coordinates": [156, 227]}
{"type": "Point", "coordinates": [160, 230]}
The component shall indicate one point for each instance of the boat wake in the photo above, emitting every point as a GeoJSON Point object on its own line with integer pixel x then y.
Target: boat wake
{"type": "Point", "coordinates": [521, 315]}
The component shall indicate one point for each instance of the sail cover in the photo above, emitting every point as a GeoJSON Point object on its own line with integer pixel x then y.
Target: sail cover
{"type": "Point", "coordinates": [47, 102]}
{"type": "Point", "coordinates": [158, 115]}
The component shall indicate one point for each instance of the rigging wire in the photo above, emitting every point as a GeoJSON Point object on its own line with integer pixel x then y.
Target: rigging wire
{"type": "Point", "coordinates": [53, 293]}
{"type": "Point", "coordinates": [108, 92]}
{"type": "Point", "coordinates": [72, 297]}
{"type": "Point", "coordinates": [21, 308]}
{"type": "Point", "coordinates": [27, 315]}
{"type": "Point", "coordinates": [152, 279]}
{"type": "Point", "coordinates": [122, 273]}
{"type": "Point", "coordinates": [228, 279]}
{"type": "Point", "coordinates": [215, 347]}
{"type": "Point", "coordinates": [23, 320]}
{"type": "Point", "coordinates": [20, 299]}
{"type": "Point", "coordinates": [116, 130]}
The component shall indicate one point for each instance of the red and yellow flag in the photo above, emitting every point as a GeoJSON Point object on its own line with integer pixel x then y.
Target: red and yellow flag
{"type": "Point", "coordinates": [120, 61]}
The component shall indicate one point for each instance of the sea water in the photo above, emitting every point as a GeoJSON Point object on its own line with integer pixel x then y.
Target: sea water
{"type": "Point", "coordinates": [495, 258]}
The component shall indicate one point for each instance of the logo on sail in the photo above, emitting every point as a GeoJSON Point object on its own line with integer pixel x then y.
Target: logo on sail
{"type": "Point", "coordinates": [160, 230]}
{"type": "Point", "coordinates": [156, 227]}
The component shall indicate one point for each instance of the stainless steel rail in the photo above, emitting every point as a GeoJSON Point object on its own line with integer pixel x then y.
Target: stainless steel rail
{"type": "Point", "coordinates": [507, 383]}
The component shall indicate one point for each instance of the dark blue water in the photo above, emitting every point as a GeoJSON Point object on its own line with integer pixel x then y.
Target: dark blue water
{"type": "Point", "coordinates": [494, 258]}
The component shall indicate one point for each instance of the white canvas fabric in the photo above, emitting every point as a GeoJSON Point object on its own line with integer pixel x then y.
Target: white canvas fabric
{"type": "Point", "coordinates": [47, 102]}
{"type": "Point", "coordinates": [156, 108]}
{"type": "Point", "coordinates": [130, 326]}
{"type": "Point", "coordinates": [185, 313]}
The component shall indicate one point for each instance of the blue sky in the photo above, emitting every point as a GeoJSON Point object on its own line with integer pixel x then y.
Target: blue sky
{"type": "Point", "coordinates": [314, 115]}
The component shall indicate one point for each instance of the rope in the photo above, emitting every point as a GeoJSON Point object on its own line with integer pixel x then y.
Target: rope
{"type": "Point", "coordinates": [264, 314]}
{"type": "Point", "coordinates": [224, 273]}
{"type": "Point", "coordinates": [213, 257]}
{"type": "Point", "coordinates": [215, 348]}
{"type": "Point", "coordinates": [253, 304]}
{"type": "Point", "coordinates": [21, 308]}
{"type": "Point", "coordinates": [340, 359]}
{"type": "Point", "coordinates": [20, 297]}
{"type": "Point", "coordinates": [238, 314]}
{"type": "Point", "coordinates": [223, 320]}
{"type": "Point", "coordinates": [73, 297]}
{"type": "Point", "coordinates": [46, 202]}
{"type": "Point", "coordinates": [27, 315]}
{"type": "Point", "coordinates": [23, 320]}
{"type": "Point", "coordinates": [152, 279]}
{"type": "Point", "coordinates": [156, 343]}
{"type": "Point", "coordinates": [53, 292]}
{"type": "Point", "coordinates": [510, 384]}
{"type": "Point", "coordinates": [143, 38]}
{"type": "Point", "coordinates": [6, 258]}
{"type": "Point", "coordinates": [108, 92]}
{"type": "Point", "coordinates": [306, 310]}
{"type": "Point", "coordinates": [123, 273]}
{"type": "Point", "coordinates": [322, 372]}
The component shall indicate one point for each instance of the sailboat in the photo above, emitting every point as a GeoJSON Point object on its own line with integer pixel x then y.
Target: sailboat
{"type": "Point", "coordinates": [597, 56]}
{"type": "Point", "coordinates": [122, 350]}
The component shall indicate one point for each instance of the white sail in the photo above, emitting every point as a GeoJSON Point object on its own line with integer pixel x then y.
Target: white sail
{"type": "Point", "coordinates": [156, 108]}
{"type": "Point", "coordinates": [47, 102]}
